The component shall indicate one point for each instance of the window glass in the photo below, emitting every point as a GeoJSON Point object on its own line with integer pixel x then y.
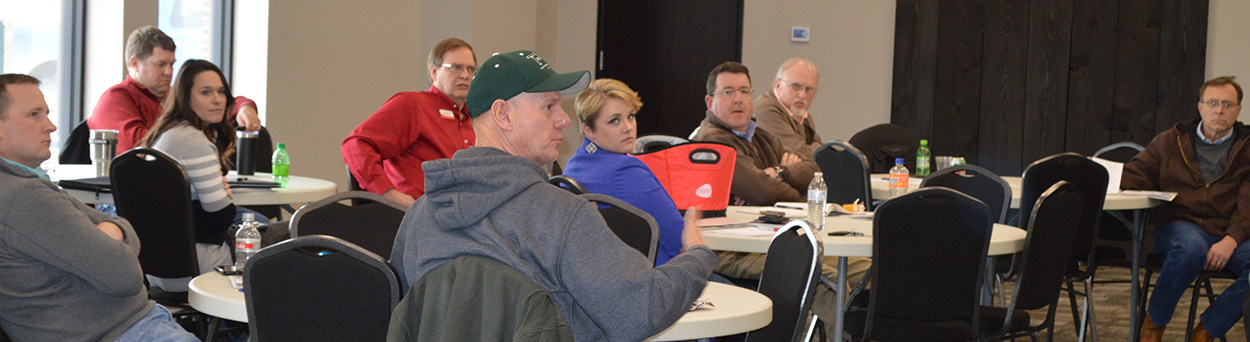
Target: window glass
{"type": "Point", "coordinates": [32, 34]}
{"type": "Point", "coordinates": [195, 26]}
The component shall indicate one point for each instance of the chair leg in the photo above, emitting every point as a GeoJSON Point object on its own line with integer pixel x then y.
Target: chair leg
{"type": "Point", "coordinates": [212, 329]}
{"type": "Point", "coordinates": [1089, 309]}
{"type": "Point", "coordinates": [1076, 313]}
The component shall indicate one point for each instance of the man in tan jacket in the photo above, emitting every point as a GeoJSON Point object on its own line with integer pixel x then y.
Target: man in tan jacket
{"type": "Point", "coordinates": [783, 111]}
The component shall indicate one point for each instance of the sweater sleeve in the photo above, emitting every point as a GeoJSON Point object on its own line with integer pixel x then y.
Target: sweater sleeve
{"type": "Point", "coordinates": [62, 232]}
{"type": "Point", "coordinates": [640, 301]}
{"type": "Point", "coordinates": [636, 185]}
{"type": "Point", "coordinates": [1142, 172]}
{"type": "Point", "coordinates": [384, 135]}
{"type": "Point", "coordinates": [199, 159]}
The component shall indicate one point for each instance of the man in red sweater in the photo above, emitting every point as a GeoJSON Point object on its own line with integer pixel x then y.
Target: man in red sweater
{"type": "Point", "coordinates": [385, 152]}
{"type": "Point", "coordinates": [132, 107]}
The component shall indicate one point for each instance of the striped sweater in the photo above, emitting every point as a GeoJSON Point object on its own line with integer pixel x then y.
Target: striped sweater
{"type": "Point", "coordinates": [198, 156]}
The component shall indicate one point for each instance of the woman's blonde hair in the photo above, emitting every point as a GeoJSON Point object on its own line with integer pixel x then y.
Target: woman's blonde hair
{"type": "Point", "coordinates": [590, 100]}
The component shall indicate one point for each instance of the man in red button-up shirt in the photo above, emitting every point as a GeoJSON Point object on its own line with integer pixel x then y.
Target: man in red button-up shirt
{"type": "Point", "coordinates": [385, 152]}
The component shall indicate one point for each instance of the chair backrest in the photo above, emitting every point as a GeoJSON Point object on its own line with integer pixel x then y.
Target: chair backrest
{"type": "Point", "coordinates": [568, 183]}
{"type": "Point", "coordinates": [319, 288]}
{"type": "Point", "coordinates": [1086, 175]}
{"type": "Point", "coordinates": [77, 149]}
{"type": "Point", "coordinates": [846, 173]}
{"type": "Point", "coordinates": [371, 224]}
{"type": "Point", "coordinates": [882, 143]}
{"type": "Point", "coordinates": [656, 142]}
{"type": "Point", "coordinates": [1051, 230]}
{"type": "Point", "coordinates": [635, 227]}
{"type": "Point", "coordinates": [473, 298]}
{"type": "Point", "coordinates": [152, 191]}
{"type": "Point", "coordinates": [977, 182]}
{"type": "Point", "coordinates": [352, 183]}
{"type": "Point", "coordinates": [1119, 152]}
{"type": "Point", "coordinates": [929, 250]}
{"type": "Point", "coordinates": [789, 279]}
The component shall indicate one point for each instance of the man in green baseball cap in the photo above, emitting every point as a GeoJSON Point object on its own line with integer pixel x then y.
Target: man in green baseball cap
{"type": "Point", "coordinates": [493, 200]}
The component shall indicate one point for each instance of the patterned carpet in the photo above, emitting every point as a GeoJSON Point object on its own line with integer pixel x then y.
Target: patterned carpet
{"type": "Point", "coordinates": [1112, 311]}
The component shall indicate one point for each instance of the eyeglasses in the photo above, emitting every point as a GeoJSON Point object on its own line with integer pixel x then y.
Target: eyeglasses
{"type": "Point", "coordinates": [459, 68]}
{"type": "Point", "coordinates": [731, 92]}
{"type": "Point", "coordinates": [1213, 103]}
{"type": "Point", "coordinates": [796, 86]}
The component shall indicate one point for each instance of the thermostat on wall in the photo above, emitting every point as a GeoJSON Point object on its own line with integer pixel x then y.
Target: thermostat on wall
{"type": "Point", "coordinates": [799, 34]}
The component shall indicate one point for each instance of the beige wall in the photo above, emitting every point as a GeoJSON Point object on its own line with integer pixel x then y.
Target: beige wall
{"type": "Point", "coordinates": [1227, 50]}
{"type": "Point", "coordinates": [852, 44]}
{"type": "Point", "coordinates": [330, 65]}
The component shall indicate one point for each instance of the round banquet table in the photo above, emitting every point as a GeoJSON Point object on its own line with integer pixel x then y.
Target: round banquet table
{"type": "Point", "coordinates": [298, 190]}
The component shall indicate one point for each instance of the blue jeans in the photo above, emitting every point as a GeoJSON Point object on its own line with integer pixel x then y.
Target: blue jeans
{"type": "Point", "coordinates": [1186, 246]}
{"type": "Point", "coordinates": [159, 326]}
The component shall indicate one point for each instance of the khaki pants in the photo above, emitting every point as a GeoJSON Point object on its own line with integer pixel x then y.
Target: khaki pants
{"type": "Point", "coordinates": [750, 265]}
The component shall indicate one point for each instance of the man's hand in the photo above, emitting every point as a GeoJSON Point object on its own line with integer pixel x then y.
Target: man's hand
{"type": "Point", "coordinates": [248, 119]}
{"type": "Point", "coordinates": [690, 235]}
{"type": "Point", "coordinates": [1217, 256]}
{"type": "Point", "coordinates": [112, 230]}
{"type": "Point", "coordinates": [788, 158]}
{"type": "Point", "coordinates": [400, 197]}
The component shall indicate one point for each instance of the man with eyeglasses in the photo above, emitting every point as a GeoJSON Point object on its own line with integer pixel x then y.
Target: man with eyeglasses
{"type": "Point", "coordinates": [385, 152]}
{"type": "Point", "coordinates": [783, 110]}
{"type": "Point", "coordinates": [1207, 163]}
{"type": "Point", "coordinates": [766, 171]}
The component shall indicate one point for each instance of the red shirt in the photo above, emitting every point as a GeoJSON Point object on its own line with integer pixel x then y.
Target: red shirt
{"type": "Point", "coordinates": [128, 108]}
{"type": "Point", "coordinates": [386, 151]}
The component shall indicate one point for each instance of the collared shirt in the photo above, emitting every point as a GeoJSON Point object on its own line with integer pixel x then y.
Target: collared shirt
{"type": "Point", "coordinates": [130, 109]}
{"type": "Point", "coordinates": [37, 171]}
{"type": "Point", "coordinates": [750, 133]}
{"type": "Point", "coordinates": [1204, 139]}
{"type": "Point", "coordinates": [386, 151]}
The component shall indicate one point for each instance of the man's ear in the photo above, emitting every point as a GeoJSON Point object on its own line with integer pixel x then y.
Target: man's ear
{"type": "Point", "coordinates": [708, 100]}
{"type": "Point", "coordinates": [433, 69]}
{"type": "Point", "coordinates": [502, 114]}
{"type": "Point", "coordinates": [133, 63]}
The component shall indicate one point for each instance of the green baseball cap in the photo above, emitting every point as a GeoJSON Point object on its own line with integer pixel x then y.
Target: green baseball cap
{"type": "Point", "coordinates": [509, 74]}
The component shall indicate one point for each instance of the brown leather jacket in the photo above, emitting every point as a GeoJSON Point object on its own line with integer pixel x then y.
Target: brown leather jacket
{"type": "Point", "coordinates": [772, 116]}
{"type": "Point", "coordinates": [1169, 164]}
{"type": "Point", "coordinates": [750, 183]}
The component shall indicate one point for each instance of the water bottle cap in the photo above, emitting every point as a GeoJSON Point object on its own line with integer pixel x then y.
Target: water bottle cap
{"type": "Point", "coordinates": [819, 174]}
{"type": "Point", "coordinates": [898, 160]}
{"type": "Point", "coordinates": [281, 146]}
{"type": "Point", "coordinates": [924, 142]}
{"type": "Point", "coordinates": [249, 217]}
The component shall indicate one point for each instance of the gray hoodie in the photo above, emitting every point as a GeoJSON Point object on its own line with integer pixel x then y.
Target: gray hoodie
{"type": "Point", "coordinates": [484, 201]}
{"type": "Point", "coordinates": [61, 278]}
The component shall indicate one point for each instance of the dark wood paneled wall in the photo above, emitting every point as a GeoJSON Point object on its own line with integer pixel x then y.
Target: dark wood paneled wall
{"type": "Point", "coordinates": [1007, 82]}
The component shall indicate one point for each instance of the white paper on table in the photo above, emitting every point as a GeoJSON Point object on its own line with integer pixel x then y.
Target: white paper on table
{"type": "Point", "coordinates": [746, 231]}
{"type": "Point", "coordinates": [1114, 170]}
{"type": "Point", "coordinates": [713, 222]}
{"type": "Point", "coordinates": [1159, 195]}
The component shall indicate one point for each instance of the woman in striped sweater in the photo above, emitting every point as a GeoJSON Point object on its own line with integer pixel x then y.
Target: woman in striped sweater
{"type": "Point", "coordinates": [186, 131]}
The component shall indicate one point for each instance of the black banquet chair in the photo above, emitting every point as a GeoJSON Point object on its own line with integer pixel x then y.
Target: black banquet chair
{"type": "Point", "coordinates": [1051, 228]}
{"type": "Point", "coordinates": [929, 251]}
{"type": "Point", "coordinates": [371, 222]}
{"type": "Point", "coordinates": [319, 288]}
{"type": "Point", "coordinates": [636, 228]}
{"type": "Point", "coordinates": [656, 142]}
{"type": "Point", "coordinates": [568, 183]}
{"type": "Point", "coordinates": [882, 143]}
{"type": "Point", "coordinates": [789, 279]}
{"type": "Point", "coordinates": [1090, 178]}
{"type": "Point", "coordinates": [846, 173]}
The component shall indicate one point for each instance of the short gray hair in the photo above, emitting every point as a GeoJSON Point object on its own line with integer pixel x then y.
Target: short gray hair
{"type": "Point", "coordinates": [796, 60]}
{"type": "Point", "coordinates": [6, 100]}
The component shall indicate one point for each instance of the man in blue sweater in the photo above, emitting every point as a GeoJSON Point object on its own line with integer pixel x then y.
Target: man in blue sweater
{"type": "Point", "coordinates": [70, 273]}
{"type": "Point", "coordinates": [493, 200]}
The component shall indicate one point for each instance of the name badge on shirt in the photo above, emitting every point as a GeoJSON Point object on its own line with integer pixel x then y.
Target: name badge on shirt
{"type": "Point", "coordinates": [447, 114]}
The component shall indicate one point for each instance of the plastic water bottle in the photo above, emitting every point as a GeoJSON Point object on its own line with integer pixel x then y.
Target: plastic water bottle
{"type": "Point", "coordinates": [281, 165]}
{"type": "Point", "coordinates": [922, 158]}
{"type": "Point", "coordinates": [246, 240]}
{"type": "Point", "coordinates": [898, 178]}
{"type": "Point", "coordinates": [816, 196]}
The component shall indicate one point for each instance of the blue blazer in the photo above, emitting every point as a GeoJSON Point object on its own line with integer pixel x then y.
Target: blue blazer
{"type": "Point", "coordinates": [629, 179]}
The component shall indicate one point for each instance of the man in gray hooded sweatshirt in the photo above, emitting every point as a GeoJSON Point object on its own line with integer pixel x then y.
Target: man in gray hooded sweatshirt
{"type": "Point", "coordinates": [493, 200]}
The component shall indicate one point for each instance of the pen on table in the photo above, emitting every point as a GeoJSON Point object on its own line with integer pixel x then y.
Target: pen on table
{"type": "Point", "coordinates": [789, 207]}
